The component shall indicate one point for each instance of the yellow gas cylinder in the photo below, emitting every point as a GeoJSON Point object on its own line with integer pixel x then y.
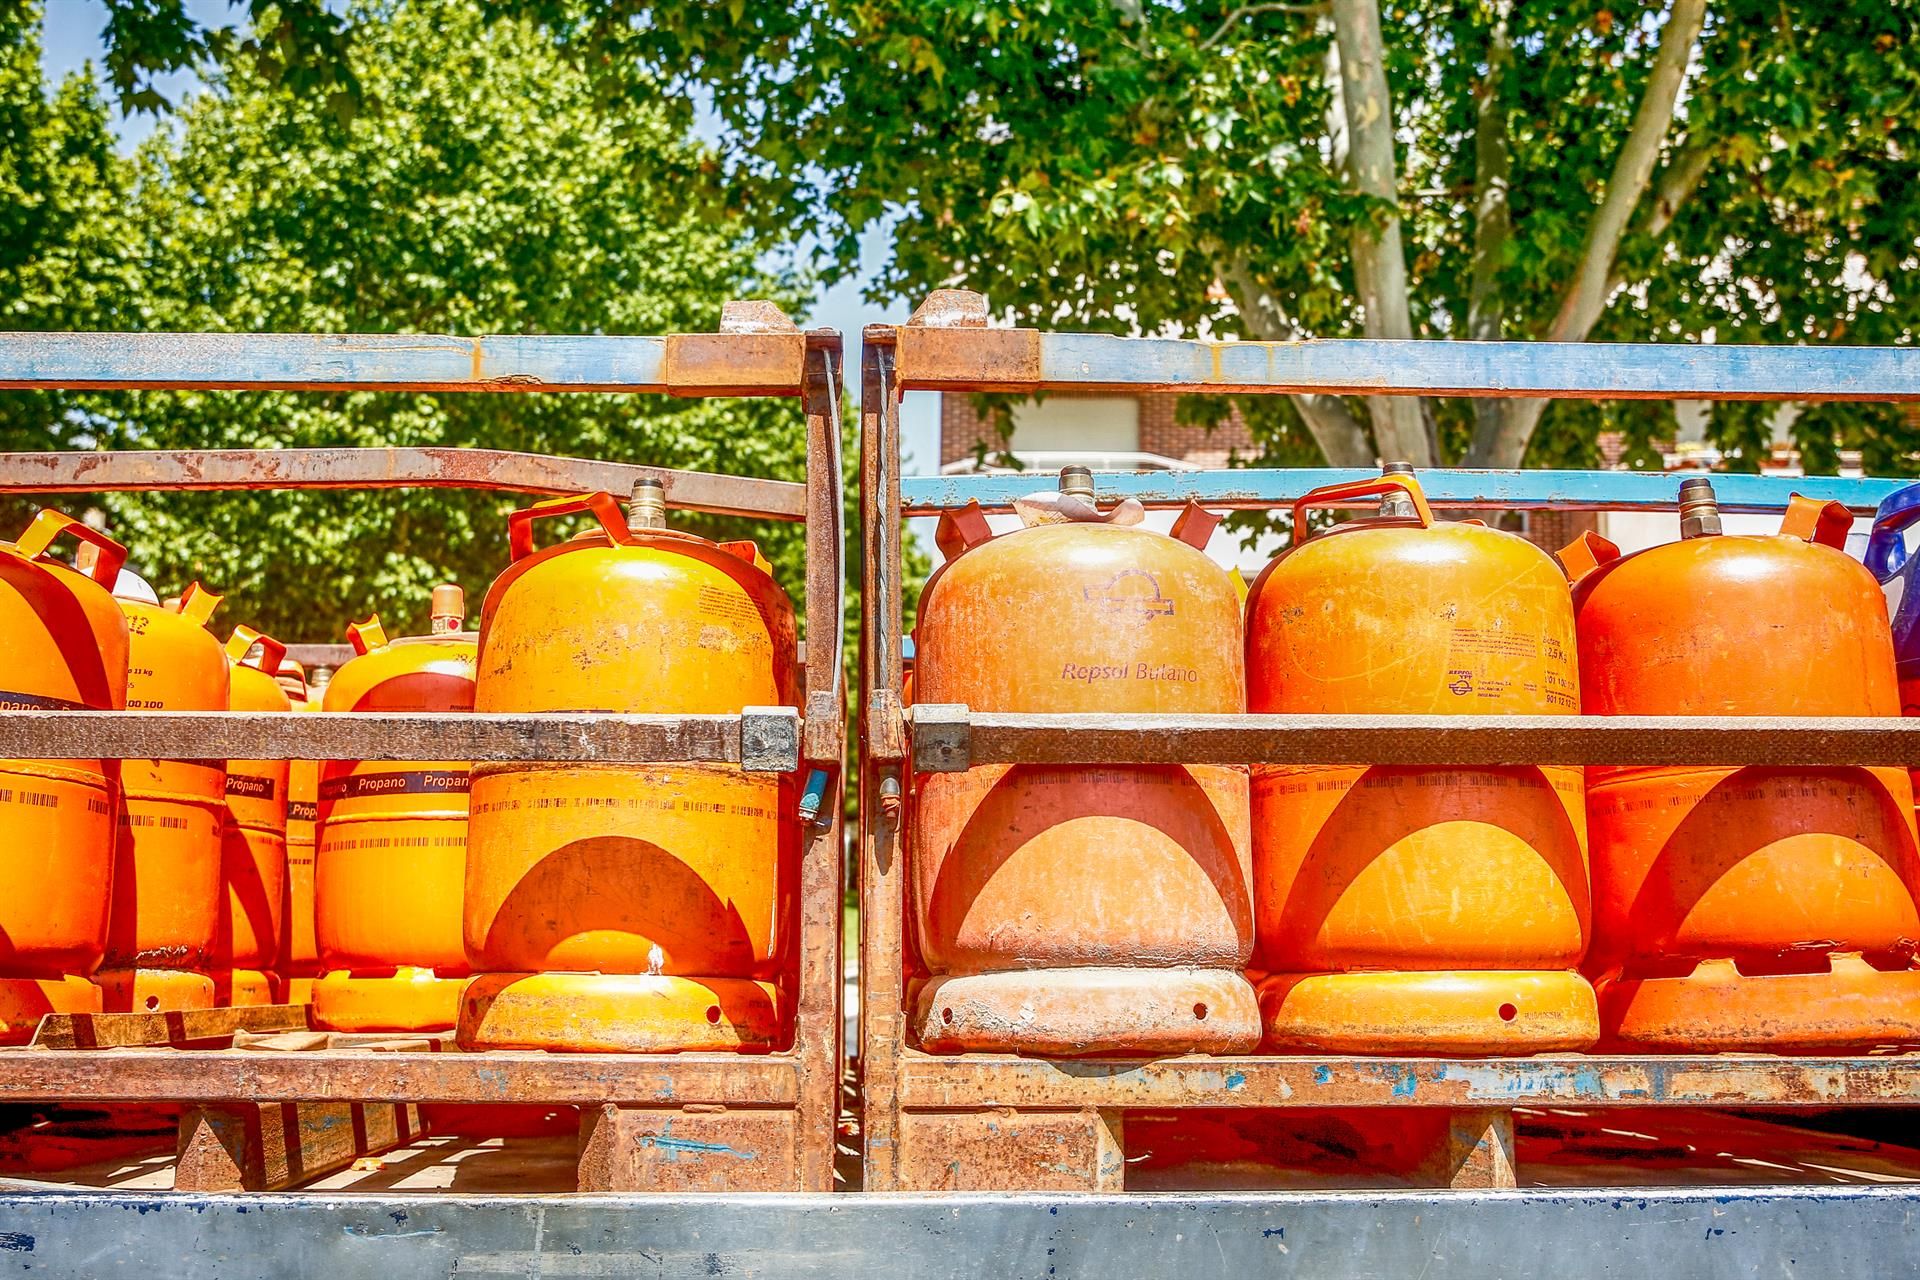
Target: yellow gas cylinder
{"type": "Point", "coordinates": [643, 908]}
{"type": "Point", "coordinates": [299, 955]}
{"type": "Point", "coordinates": [392, 852]}
{"type": "Point", "coordinates": [1414, 908]}
{"type": "Point", "coordinates": [166, 869]}
{"type": "Point", "coordinates": [253, 838]}
{"type": "Point", "coordinates": [66, 644]}
{"type": "Point", "coordinates": [1081, 909]}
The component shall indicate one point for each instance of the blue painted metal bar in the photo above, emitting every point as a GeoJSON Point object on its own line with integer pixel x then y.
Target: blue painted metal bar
{"type": "Point", "coordinates": [1476, 490]}
{"type": "Point", "coordinates": [936, 359]}
{"type": "Point", "coordinates": [388, 362]}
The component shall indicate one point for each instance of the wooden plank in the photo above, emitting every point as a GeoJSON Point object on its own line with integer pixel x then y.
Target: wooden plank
{"type": "Point", "coordinates": [947, 738]}
{"type": "Point", "coordinates": [682, 364]}
{"type": "Point", "coordinates": [191, 1026]}
{"type": "Point", "coordinates": [1446, 488]}
{"type": "Point", "coordinates": [971, 359]}
{"type": "Point", "coordinates": [149, 1075]}
{"type": "Point", "coordinates": [381, 735]}
{"type": "Point", "coordinates": [687, 1149]}
{"type": "Point", "coordinates": [251, 1146]}
{"type": "Point", "coordinates": [497, 470]}
{"type": "Point", "coordinates": [993, 1080]}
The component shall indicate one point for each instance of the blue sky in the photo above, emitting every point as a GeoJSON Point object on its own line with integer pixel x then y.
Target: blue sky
{"type": "Point", "coordinates": [72, 39]}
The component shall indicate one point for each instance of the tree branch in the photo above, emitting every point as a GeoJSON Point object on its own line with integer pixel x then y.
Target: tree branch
{"type": "Point", "coordinates": [1379, 260]}
{"type": "Point", "coordinates": [1328, 419]}
{"type": "Point", "coordinates": [1492, 214]}
{"type": "Point", "coordinates": [1248, 10]}
{"type": "Point", "coordinates": [1586, 295]}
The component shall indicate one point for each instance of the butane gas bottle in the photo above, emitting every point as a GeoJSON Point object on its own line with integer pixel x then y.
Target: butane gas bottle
{"type": "Point", "coordinates": [392, 852]}
{"type": "Point", "coordinates": [253, 838]}
{"type": "Point", "coordinates": [66, 644]}
{"type": "Point", "coordinates": [1887, 560]}
{"type": "Point", "coordinates": [299, 953]}
{"type": "Point", "coordinates": [637, 908]}
{"type": "Point", "coordinates": [166, 872]}
{"type": "Point", "coordinates": [1411, 909]}
{"type": "Point", "coordinates": [1081, 909]}
{"type": "Point", "coordinates": [1761, 908]}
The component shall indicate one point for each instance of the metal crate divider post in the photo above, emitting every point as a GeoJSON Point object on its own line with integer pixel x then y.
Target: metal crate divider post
{"type": "Point", "coordinates": [274, 1114]}
{"type": "Point", "coordinates": [997, 1122]}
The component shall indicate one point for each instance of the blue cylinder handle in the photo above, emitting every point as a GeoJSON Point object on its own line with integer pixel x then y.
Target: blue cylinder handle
{"type": "Point", "coordinates": [1886, 549]}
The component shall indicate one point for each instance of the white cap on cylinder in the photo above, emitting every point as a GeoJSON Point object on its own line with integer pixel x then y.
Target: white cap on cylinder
{"type": "Point", "coordinates": [449, 608]}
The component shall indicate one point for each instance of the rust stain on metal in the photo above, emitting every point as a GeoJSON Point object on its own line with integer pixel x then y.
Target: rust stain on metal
{"type": "Point", "coordinates": [699, 364]}
{"type": "Point", "coordinates": [979, 359]}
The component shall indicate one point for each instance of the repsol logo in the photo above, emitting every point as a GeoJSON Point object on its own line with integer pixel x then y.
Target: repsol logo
{"type": "Point", "coordinates": [1090, 673]}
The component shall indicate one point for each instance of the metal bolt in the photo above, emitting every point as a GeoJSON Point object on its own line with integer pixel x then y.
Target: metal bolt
{"type": "Point", "coordinates": [1077, 482]}
{"type": "Point", "coordinates": [1699, 509]}
{"type": "Point", "coordinates": [890, 802]}
{"type": "Point", "coordinates": [1397, 505]}
{"type": "Point", "coordinates": [647, 508]}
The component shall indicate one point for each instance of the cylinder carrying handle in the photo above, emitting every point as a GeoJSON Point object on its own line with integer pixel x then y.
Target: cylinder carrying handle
{"type": "Point", "coordinates": [197, 604]}
{"type": "Point", "coordinates": [602, 506]}
{"type": "Point", "coordinates": [1370, 487]}
{"type": "Point", "coordinates": [1812, 520]}
{"type": "Point", "coordinates": [49, 524]}
{"type": "Point", "coordinates": [1886, 549]}
{"type": "Point", "coordinates": [272, 652]}
{"type": "Point", "coordinates": [367, 636]}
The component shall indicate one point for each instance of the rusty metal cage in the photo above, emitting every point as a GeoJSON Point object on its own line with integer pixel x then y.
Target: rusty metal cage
{"type": "Point", "coordinates": [979, 1121]}
{"type": "Point", "coordinates": [262, 1108]}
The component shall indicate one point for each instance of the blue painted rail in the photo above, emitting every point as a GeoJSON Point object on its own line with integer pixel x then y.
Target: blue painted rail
{"type": "Point", "coordinates": [1479, 490]}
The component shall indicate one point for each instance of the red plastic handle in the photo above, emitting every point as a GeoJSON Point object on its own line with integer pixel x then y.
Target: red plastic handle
{"type": "Point", "coordinates": [1812, 520]}
{"type": "Point", "coordinates": [49, 524]}
{"type": "Point", "coordinates": [367, 636]}
{"type": "Point", "coordinates": [197, 603]}
{"type": "Point", "coordinates": [272, 652]}
{"type": "Point", "coordinates": [1360, 489]}
{"type": "Point", "coordinates": [603, 506]}
{"type": "Point", "coordinates": [1585, 554]}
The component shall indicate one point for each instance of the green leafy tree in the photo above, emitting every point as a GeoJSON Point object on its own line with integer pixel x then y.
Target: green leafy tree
{"type": "Point", "coordinates": [66, 254]}
{"type": "Point", "coordinates": [485, 190]}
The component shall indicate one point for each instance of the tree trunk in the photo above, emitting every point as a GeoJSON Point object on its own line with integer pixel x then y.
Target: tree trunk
{"type": "Point", "coordinates": [1379, 259]}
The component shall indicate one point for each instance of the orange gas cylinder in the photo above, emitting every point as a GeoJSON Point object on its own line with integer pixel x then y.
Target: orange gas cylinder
{"type": "Point", "coordinates": [645, 908]}
{"type": "Point", "coordinates": [392, 850]}
{"type": "Point", "coordinates": [1081, 909]}
{"type": "Point", "coordinates": [1761, 908]}
{"type": "Point", "coordinates": [299, 954]}
{"type": "Point", "coordinates": [166, 870]}
{"type": "Point", "coordinates": [1417, 909]}
{"type": "Point", "coordinates": [253, 837]}
{"type": "Point", "coordinates": [66, 643]}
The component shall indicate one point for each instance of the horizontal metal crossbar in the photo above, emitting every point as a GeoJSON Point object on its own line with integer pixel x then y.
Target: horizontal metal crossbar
{"type": "Point", "coordinates": [981, 359]}
{"type": "Point", "coordinates": [488, 469]}
{"type": "Point", "coordinates": [989, 1080]}
{"type": "Point", "coordinates": [1701, 1233]}
{"type": "Point", "coordinates": [352, 1075]}
{"type": "Point", "coordinates": [763, 739]}
{"type": "Point", "coordinates": [1252, 489]}
{"type": "Point", "coordinates": [679, 364]}
{"type": "Point", "coordinates": [948, 738]}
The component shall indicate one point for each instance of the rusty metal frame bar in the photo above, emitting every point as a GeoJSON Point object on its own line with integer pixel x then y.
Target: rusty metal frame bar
{"type": "Point", "coordinates": [757, 353]}
{"type": "Point", "coordinates": [962, 1081]}
{"type": "Point", "coordinates": [331, 1075]}
{"type": "Point", "coordinates": [496, 470]}
{"type": "Point", "coordinates": [948, 738]}
{"type": "Point", "coordinates": [947, 347]}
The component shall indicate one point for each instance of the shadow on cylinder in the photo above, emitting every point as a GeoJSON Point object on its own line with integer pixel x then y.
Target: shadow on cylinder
{"type": "Point", "coordinates": [1417, 909]}
{"type": "Point", "coordinates": [631, 908]}
{"type": "Point", "coordinates": [66, 644]}
{"type": "Point", "coordinates": [1081, 910]}
{"type": "Point", "coordinates": [1760, 908]}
